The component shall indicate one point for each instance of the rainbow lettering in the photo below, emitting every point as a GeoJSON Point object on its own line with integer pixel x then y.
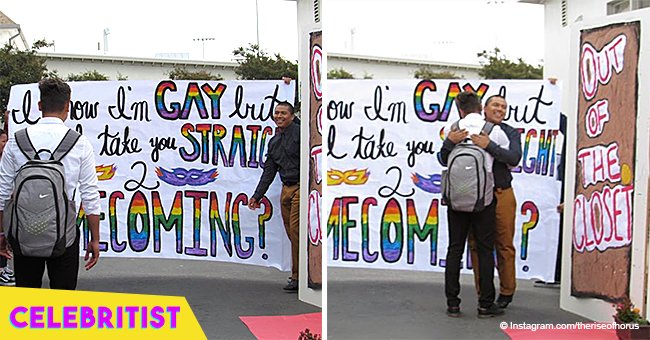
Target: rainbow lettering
{"type": "Point", "coordinates": [241, 199]}
{"type": "Point", "coordinates": [175, 220]}
{"type": "Point", "coordinates": [196, 250]}
{"type": "Point", "coordinates": [238, 143]}
{"type": "Point", "coordinates": [391, 251]}
{"type": "Point", "coordinates": [138, 240]}
{"type": "Point", "coordinates": [365, 246]}
{"type": "Point", "coordinates": [434, 113]}
{"type": "Point", "coordinates": [540, 165]}
{"type": "Point", "coordinates": [429, 230]}
{"type": "Point", "coordinates": [192, 95]}
{"type": "Point", "coordinates": [528, 206]}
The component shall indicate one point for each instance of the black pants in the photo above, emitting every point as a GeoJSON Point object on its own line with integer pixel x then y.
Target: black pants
{"type": "Point", "coordinates": [482, 225]}
{"type": "Point", "coordinates": [62, 270]}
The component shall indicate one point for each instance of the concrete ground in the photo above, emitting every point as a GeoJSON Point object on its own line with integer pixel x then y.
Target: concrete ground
{"type": "Point", "coordinates": [362, 303]}
{"type": "Point", "coordinates": [391, 304]}
{"type": "Point", "coordinates": [219, 293]}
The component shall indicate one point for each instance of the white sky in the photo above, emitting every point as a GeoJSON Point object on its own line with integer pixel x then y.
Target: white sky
{"type": "Point", "coordinates": [143, 28]}
{"type": "Point", "coordinates": [438, 30]}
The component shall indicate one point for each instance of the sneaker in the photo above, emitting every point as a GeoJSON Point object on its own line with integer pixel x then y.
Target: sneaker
{"type": "Point", "coordinates": [453, 311]}
{"type": "Point", "coordinates": [291, 286]}
{"type": "Point", "coordinates": [504, 300]}
{"type": "Point", "coordinates": [544, 284]}
{"type": "Point", "coordinates": [8, 271]}
{"type": "Point", "coordinates": [490, 312]}
{"type": "Point", "coordinates": [6, 280]}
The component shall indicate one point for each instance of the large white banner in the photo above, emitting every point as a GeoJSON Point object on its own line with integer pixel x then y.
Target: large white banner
{"type": "Point", "coordinates": [383, 201]}
{"type": "Point", "coordinates": [177, 162]}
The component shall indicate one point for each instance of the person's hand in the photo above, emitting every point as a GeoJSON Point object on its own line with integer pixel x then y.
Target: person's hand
{"type": "Point", "coordinates": [481, 140]}
{"type": "Point", "coordinates": [92, 254]}
{"type": "Point", "coordinates": [560, 208]}
{"type": "Point", "coordinates": [253, 204]}
{"type": "Point", "coordinates": [457, 136]}
{"type": "Point", "coordinates": [5, 249]}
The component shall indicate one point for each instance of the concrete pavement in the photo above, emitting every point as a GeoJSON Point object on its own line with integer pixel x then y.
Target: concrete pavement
{"type": "Point", "coordinates": [219, 293]}
{"type": "Point", "coordinates": [362, 303]}
{"type": "Point", "coordinates": [392, 304]}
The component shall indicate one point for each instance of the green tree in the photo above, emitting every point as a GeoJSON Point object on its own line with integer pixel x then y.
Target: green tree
{"type": "Point", "coordinates": [339, 73]}
{"type": "Point", "coordinates": [496, 66]}
{"type": "Point", "coordinates": [88, 75]}
{"type": "Point", "coordinates": [255, 64]}
{"type": "Point", "coordinates": [20, 67]}
{"type": "Point", "coordinates": [426, 72]}
{"type": "Point", "coordinates": [180, 73]}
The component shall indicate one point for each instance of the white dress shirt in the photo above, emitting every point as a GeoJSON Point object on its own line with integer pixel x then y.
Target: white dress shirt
{"type": "Point", "coordinates": [79, 163]}
{"type": "Point", "coordinates": [474, 123]}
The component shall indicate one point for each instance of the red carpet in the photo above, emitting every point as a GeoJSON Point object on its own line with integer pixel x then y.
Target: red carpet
{"type": "Point", "coordinates": [561, 334]}
{"type": "Point", "coordinates": [283, 326]}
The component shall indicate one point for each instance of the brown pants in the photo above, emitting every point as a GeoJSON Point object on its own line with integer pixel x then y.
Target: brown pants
{"type": "Point", "coordinates": [503, 242]}
{"type": "Point", "coordinates": [290, 206]}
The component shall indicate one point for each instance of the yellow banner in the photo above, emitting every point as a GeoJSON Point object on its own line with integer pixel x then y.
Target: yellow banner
{"type": "Point", "coordinates": [43, 313]}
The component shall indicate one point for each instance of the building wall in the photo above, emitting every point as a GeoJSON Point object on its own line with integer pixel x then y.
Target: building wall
{"type": "Point", "coordinates": [557, 38]}
{"type": "Point", "coordinates": [392, 68]}
{"type": "Point", "coordinates": [134, 68]}
{"type": "Point", "coordinates": [152, 69]}
{"type": "Point", "coordinates": [9, 30]}
{"type": "Point", "coordinates": [306, 24]}
{"type": "Point", "coordinates": [8, 33]}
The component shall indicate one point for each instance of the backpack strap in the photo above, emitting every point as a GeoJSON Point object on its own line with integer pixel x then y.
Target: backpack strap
{"type": "Point", "coordinates": [487, 128]}
{"type": "Point", "coordinates": [67, 143]}
{"type": "Point", "coordinates": [25, 144]}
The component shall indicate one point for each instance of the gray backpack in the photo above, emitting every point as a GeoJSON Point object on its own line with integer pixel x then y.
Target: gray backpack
{"type": "Point", "coordinates": [467, 185]}
{"type": "Point", "coordinates": [41, 218]}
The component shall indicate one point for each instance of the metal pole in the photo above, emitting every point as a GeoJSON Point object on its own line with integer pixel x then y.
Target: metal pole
{"type": "Point", "coordinates": [203, 40]}
{"type": "Point", "coordinates": [106, 33]}
{"type": "Point", "coordinates": [257, 19]}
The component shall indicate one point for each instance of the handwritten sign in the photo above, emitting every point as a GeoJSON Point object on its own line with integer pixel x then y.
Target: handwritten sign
{"type": "Point", "coordinates": [606, 140]}
{"type": "Point", "coordinates": [384, 206]}
{"type": "Point", "coordinates": [315, 244]}
{"type": "Point", "coordinates": [177, 162]}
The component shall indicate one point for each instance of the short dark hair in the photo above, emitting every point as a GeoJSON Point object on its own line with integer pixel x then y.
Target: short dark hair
{"type": "Point", "coordinates": [288, 105]}
{"type": "Point", "coordinates": [494, 96]}
{"type": "Point", "coordinates": [54, 94]}
{"type": "Point", "coordinates": [468, 102]}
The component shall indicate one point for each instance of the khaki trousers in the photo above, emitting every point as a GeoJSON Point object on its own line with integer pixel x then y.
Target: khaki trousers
{"type": "Point", "coordinates": [503, 242]}
{"type": "Point", "coordinates": [290, 207]}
